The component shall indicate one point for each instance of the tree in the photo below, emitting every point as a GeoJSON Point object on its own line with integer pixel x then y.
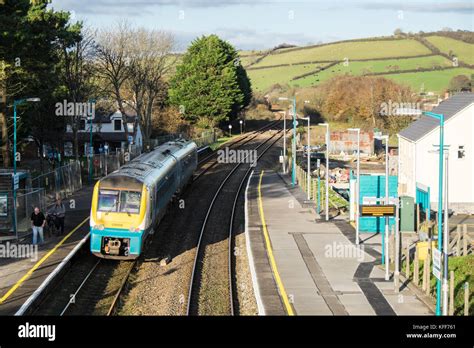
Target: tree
{"type": "Point", "coordinates": [29, 47]}
{"type": "Point", "coordinates": [151, 60]}
{"type": "Point", "coordinates": [113, 61]}
{"type": "Point", "coordinates": [77, 50]}
{"type": "Point", "coordinates": [398, 32]}
{"type": "Point", "coordinates": [459, 83]}
{"type": "Point", "coordinates": [210, 86]}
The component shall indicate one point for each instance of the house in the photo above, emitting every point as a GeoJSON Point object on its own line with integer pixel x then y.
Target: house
{"type": "Point", "coordinates": [107, 128]}
{"type": "Point", "coordinates": [419, 159]}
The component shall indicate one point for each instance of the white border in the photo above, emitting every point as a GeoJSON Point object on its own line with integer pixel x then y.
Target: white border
{"type": "Point", "coordinates": [253, 272]}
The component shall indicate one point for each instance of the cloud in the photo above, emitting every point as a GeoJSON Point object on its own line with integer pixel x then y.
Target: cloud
{"type": "Point", "coordinates": [114, 7]}
{"type": "Point", "coordinates": [250, 39]}
{"type": "Point", "coordinates": [461, 7]}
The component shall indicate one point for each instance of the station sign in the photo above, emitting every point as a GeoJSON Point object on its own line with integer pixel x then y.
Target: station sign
{"type": "Point", "coordinates": [437, 263]}
{"type": "Point", "coordinates": [16, 181]}
{"type": "Point", "coordinates": [378, 210]}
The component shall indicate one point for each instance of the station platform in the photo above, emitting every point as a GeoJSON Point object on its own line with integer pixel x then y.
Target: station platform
{"type": "Point", "coordinates": [303, 265]}
{"type": "Point", "coordinates": [20, 276]}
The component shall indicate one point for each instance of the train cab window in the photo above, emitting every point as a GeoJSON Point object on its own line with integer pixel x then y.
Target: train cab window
{"type": "Point", "coordinates": [108, 200]}
{"type": "Point", "coordinates": [130, 202]}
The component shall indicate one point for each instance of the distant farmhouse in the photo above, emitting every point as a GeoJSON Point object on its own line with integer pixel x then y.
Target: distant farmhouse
{"type": "Point", "coordinates": [419, 158]}
{"type": "Point", "coordinates": [107, 129]}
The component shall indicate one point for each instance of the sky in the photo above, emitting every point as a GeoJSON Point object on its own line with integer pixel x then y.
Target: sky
{"type": "Point", "coordinates": [263, 24]}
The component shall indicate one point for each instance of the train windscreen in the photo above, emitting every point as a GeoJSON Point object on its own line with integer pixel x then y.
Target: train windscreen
{"type": "Point", "coordinates": [114, 201]}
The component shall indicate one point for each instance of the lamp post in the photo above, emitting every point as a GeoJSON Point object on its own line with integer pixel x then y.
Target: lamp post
{"type": "Point", "coordinates": [357, 183]}
{"type": "Point", "coordinates": [308, 153]}
{"type": "Point", "coordinates": [327, 167]}
{"type": "Point", "coordinates": [446, 241]}
{"type": "Point", "coordinates": [293, 146]}
{"type": "Point", "coordinates": [385, 260]}
{"type": "Point", "coordinates": [241, 123]}
{"type": "Point", "coordinates": [284, 143]}
{"type": "Point", "coordinates": [91, 146]}
{"type": "Point", "coordinates": [440, 118]}
{"type": "Point", "coordinates": [230, 130]}
{"type": "Point", "coordinates": [15, 104]}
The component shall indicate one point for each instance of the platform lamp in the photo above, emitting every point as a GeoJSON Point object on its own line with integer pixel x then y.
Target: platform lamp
{"type": "Point", "coordinates": [15, 104]}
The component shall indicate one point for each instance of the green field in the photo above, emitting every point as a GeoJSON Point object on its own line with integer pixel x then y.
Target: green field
{"type": "Point", "coordinates": [432, 81]}
{"type": "Point", "coordinates": [350, 50]}
{"type": "Point", "coordinates": [464, 51]}
{"type": "Point", "coordinates": [262, 79]}
{"type": "Point", "coordinates": [435, 81]}
{"type": "Point", "coordinates": [360, 68]}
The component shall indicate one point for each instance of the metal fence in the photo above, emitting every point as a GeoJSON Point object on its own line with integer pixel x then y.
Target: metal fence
{"type": "Point", "coordinates": [206, 138]}
{"type": "Point", "coordinates": [26, 201]}
{"type": "Point", "coordinates": [104, 164]}
{"type": "Point", "coordinates": [64, 180]}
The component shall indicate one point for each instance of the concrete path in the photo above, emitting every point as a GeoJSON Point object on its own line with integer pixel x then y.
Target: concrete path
{"type": "Point", "coordinates": [322, 271]}
{"type": "Point", "coordinates": [20, 276]}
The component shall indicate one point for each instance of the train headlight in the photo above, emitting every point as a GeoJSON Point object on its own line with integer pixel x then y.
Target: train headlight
{"type": "Point", "coordinates": [134, 229]}
{"type": "Point", "coordinates": [99, 227]}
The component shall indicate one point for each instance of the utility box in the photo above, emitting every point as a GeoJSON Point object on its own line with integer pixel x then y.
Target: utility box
{"type": "Point", "coordinates": [407, 214]}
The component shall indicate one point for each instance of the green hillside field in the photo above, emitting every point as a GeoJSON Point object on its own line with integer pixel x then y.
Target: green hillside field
{"type": "Point", "coordinates": [414, 56]}
{"type": "Point", "coordinates": [464, 51]}
{"type": "Point", "coordinates": [435, 81]}
{"type": "Point", "coordinates": [350, 50]}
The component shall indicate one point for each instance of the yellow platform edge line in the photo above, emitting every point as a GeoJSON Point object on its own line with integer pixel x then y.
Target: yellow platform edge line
{"type": "Point", "coordinates": [281, 288]}
{"type": "Point", "coordinates": [40, 262]}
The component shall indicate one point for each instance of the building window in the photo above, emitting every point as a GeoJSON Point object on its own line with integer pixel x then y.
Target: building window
{"type": "Point", "coordinates": [82, 125]}
{"type": "Point", "coordinates": [461, 152]}
{"type": "Point", "coordinates": [118, 125]}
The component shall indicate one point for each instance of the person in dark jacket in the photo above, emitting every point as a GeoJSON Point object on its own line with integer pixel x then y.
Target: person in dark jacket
{"type": "Point", "coordinates": [37, 223]}
{"type": "Point", "coordinates": [58, 210]}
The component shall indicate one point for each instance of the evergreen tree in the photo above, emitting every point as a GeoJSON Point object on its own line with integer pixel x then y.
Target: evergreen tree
{"type": "Point", "coordinates": [210, 85]}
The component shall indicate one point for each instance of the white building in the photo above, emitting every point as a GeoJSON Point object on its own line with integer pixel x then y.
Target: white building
{"type": "Point", "coordinates": [419, 159]}
{"type": "Point", "coordinates": [106, 129]}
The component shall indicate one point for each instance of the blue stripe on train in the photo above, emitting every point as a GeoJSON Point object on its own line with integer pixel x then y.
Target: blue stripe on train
{"type": "Point", "coordinates": [135, 238]}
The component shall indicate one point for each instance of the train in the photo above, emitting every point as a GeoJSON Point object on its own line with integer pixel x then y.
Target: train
{"type": "Point", "coordinates": [128, 204]}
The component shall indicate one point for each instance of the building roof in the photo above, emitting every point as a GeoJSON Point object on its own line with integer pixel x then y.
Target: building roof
{"type": "Point", "coordinates": [449, 108]}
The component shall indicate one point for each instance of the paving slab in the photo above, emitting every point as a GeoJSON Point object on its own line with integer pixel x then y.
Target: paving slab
{"type": "Point", "coordinates": [322, 271]}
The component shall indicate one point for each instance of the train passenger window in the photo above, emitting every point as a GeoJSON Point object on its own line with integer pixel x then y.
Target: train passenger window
{"type": "Point", "coordinates": [108, 200]}
{"type": "Point", "coordinates": [130, 202]}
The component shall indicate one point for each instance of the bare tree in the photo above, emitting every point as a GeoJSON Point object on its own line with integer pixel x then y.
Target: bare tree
{"type": "Point", "coordinates": [113, 64]}
{"type": "Point", "coordinates": [132, 64]}
{"type": "Point", "coordinates": [79, 75]}
{"type": "Point", "coordinates": [151, 60]}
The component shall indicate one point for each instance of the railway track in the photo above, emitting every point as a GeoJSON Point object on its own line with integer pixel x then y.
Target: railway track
{"type": "Point", "coordinates": [241, 141]}
{"type": "Point", "coordinates": [94, 286]}
{"type": "Point", "coordinates": [211, 288]}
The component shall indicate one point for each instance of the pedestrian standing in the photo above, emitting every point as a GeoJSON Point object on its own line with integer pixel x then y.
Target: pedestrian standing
{"type": "Point", "coordinates": [37, 223]}
{"type": "Point", "coordinates": [59, 212]}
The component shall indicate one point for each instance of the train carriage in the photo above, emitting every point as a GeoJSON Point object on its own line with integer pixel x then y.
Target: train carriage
{"type": "Point", "coordinates": [128, 204]}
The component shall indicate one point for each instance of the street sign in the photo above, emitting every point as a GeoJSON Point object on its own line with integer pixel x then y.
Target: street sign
{"type": "Point", "coordinates": [16, 181]}
{"type": "Point", "coordinates": [437, 263]}
{"type": "Point", "coordinates": [374, 200]}
{"type": "Point", "coordinates": [377, 210]}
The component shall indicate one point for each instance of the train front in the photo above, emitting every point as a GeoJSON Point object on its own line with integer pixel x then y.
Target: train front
{"type": "Point", "coordinates": [118, 218]}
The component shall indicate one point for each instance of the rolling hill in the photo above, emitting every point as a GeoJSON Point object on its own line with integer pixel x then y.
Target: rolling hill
{"type": "Point", "coordinates": [424, 62]}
